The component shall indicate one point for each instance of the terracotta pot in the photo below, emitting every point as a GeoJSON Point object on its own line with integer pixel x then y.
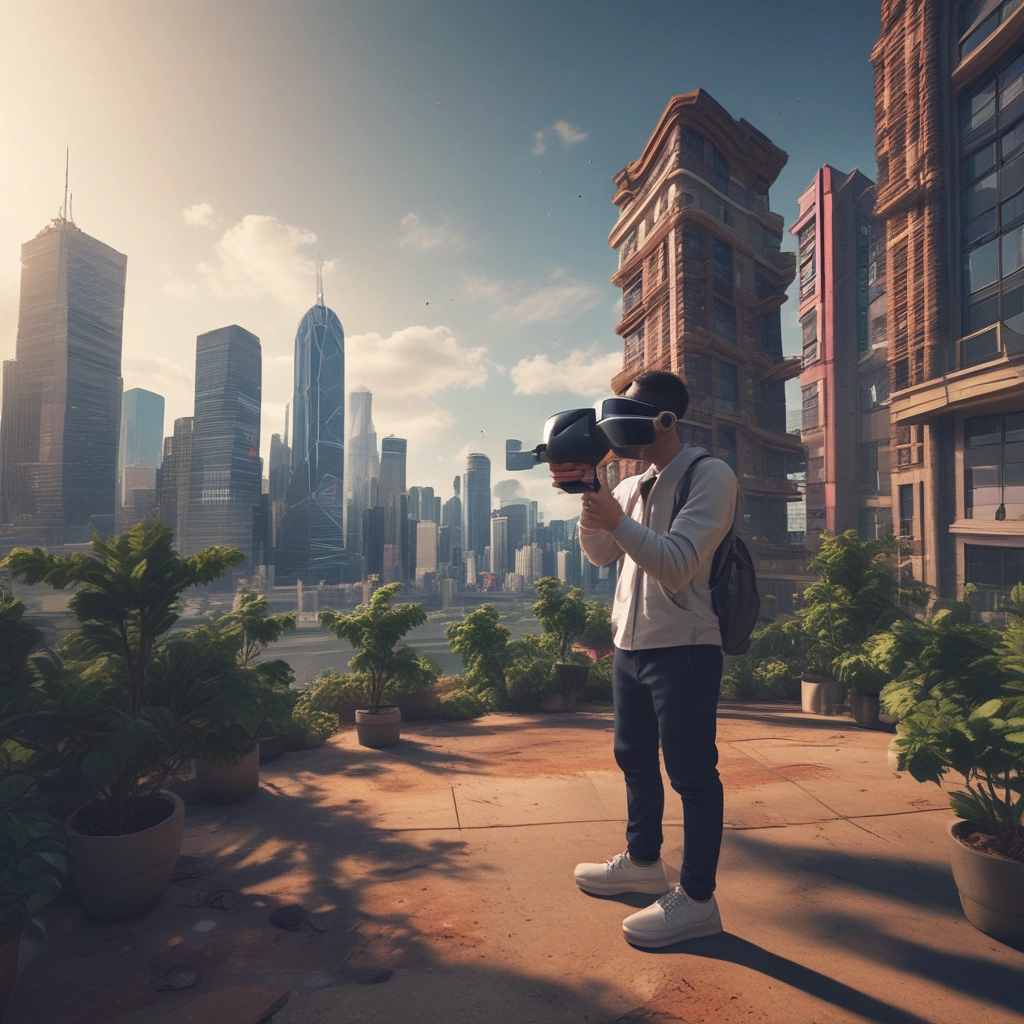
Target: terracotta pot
{"type": "Point", "coordinates": [864, 709]}
{"type": "Point", "coordinates": [558, 702]}
{"type": "Point", "coordinates": [381, 728]}
{"type": "Point", "coordinates": [819, 695]}
{"type": "Point", "coordinates": [120, 877]}
{"type": "Point", "coordinates": [226, 783]}
{"type": "Point", "coordinates": [8, 971]}
{"type": "Point", "coordinates": [418, 705]}
{"type": "Point", "coordinates": [991, 888]}
{"type": "Point", "coordinates": [271, 749]}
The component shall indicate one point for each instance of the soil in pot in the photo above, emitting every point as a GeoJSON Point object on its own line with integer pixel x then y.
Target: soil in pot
{"type": "Point", "coordinates": [991, 887]}
{"type": "Point", "coordinates": [8, 971]}
{"type": "Point", "coordinates": [379, 727]}
{"type": "Point", "coordinates": [226, 783]}
{"type": "Point", "coordinates": [120, 877]}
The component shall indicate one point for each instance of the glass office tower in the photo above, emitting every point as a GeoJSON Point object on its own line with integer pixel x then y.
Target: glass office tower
{"type": "Point", "coordinates": [478, 505]}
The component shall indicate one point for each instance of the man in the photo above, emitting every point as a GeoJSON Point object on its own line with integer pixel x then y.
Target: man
{"type": "Point", "coordinates": [667, 666]}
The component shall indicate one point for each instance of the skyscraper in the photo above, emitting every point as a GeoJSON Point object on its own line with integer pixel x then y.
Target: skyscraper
{"type": "Point", "coordinates": [175, 480]}
{"type": "Point", "coordinates": [499, 548]}
{"type": "Point", "coordinates": [62, 391]}
{"type": "Point", "coordinates": [139, 454]}
{"type": "Point", "coordinates": [311, 540]}
{"type": "Point", "coordinates": [517, 513]}
{"type": "Point", "coordinates": [477, 503]}
{"type": "Point", "coordinates": [363, 467]}
{"type": "Point", "coordinates": [226, 471]}
{"type": "Point", "coordinates": [392, 469]}
{"type": "Point", "coordinates": [703, 281]}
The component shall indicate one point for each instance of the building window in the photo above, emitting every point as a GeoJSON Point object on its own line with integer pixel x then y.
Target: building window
{"type": "Point", "coordinates": [721, 169]}
{"type": "Point", "coordinates": [634, 354]}
{"type": "Point", "coordinates": [629, 247]}
{"type": "Point", "coordinates": [808, 258]}
{"type": "Point", "coordinates": [809, 397]}
{"type": "Point", "coordinates": [992, 213]}
{"type": "Point", "coordinates": [727, 389]}
{"type": "Point", "coordinates": [809, 329]}
{"type": "Point", "coordinates": [727, 447]}
{"type": "Point", "coordinates": [995, 571]}
{"type": "Point", "coordinates": [771, 334]}
{"type": "Point", "coordinates": [863, 259]}
{"type": "Point", "coordinates": [906, 509]}
{"type": "Point", "coordinates": [765, 287]}
{"type": "Point", "coordinates": [874, 393]}
{"type": "Point", "coordinates": [693, 141]}
{"type": "Point", "coordinates": [776, 522]}
{"type": "Point", "coordinates": [693, 246]}
{"type": "Point", "coordinates": [725, 320]}
{"type": "Point", "coordinates": [771, 406]}
{"type": "Point", "coordinates": [869, 467]}
{"type": "Point", "coordinates": [696, 435]}
{"type": "Point", "coordinates": [994, 465]}
{"type": "Point", "coordinates": [774, 465]}
{"type": "Point", "coordinates": [722, 261]}
{"type": "Point", "coordinates": [632, 294]}
{"type": "Point", "coordinates": [974, 33]}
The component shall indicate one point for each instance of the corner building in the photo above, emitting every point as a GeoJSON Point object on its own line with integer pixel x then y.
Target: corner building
{"type": "Point", "coordinates": [949, 139]}
{"type": "Point", "coordinates": [703, 280]}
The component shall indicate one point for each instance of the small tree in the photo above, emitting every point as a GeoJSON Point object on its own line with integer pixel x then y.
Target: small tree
{"type": "Point", "coordinates": [374, 630]}
{"type": "Point", "coordinates": [254, 627]}
{"type": "Point", "coordinates": [598, 631]}
{"type": "Point", "coordinates": [483, 644]}
{"type": "Point", "coordinates": [562, 614]}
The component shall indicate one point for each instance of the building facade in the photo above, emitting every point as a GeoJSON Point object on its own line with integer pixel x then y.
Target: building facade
{"type": "Point", "coordinates": [476, 505]}
{"type": "Point", "coordinates": [363, 466]}
{"type": "Point", "coordinates": [703, 280]}
{"type": "Point", "coordinates": [311, 537]}
{"type": "Point", "coordinates": [949, 139]}
{"type": "Point", "coordinates": [392, 469]}
{"type": "Point", "coordinates": [62, 391]}
{"type": "Point", "coordinates": [139, 454]}
{"type": "Point", "coordinates": [225, 466]}
{"type": "Point", "coordinates": [844, 382]}
{"type": "Point", "coordinates": [175, 480]}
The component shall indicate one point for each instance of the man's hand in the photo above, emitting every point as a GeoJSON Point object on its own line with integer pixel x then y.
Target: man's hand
{"type": "Point", "coordinates": [600, 511]}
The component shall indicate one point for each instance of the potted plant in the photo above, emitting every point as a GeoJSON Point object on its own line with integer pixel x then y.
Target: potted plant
{"type": "Point", "coordinates": [131, 705]}
{"type": "Point", "coordinates": [374, 630]}
{"type": "Point", "coordinates": [563, 615]}
{"type": "Point", "coordinates": [230, 774]}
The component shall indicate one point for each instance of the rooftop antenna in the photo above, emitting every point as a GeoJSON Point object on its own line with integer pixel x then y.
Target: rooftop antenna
{"type": "Point", "coordinates": [319, 280]}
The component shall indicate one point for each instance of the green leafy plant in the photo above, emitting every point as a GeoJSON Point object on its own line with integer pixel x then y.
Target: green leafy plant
{"type": "Point", "coordinates": [752, 680]}
{"type": "Point", "coordinates": [531, 673]}
{"type": "Point", "coordinates": [597, 633]}
{"type": "Point", "coordinates": [563, 615]}
{"type": "Point", "coordinates": [308, 726]}
{"type": "Point", "coordinates": [463, 704]}
{"type": "Point", "coordinates": [483, 644]}
{"type": "Point", "coordinates": [252, 627]}
{"type": "Point", "coordinates": [131, 702]}
{"type": "Point", "coordinates": [599, 680]}
{"type": "Point", "coordinates": [375, 630]}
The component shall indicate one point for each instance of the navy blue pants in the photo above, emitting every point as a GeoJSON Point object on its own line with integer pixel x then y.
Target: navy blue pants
{"type": "Point", "coordinates": [668, 697]}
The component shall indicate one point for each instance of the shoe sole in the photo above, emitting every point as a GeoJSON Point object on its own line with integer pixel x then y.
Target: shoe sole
{"type": "Point", "coordinates": [703, 931]}
{"type": "Point", "coordinates": [610, 889]}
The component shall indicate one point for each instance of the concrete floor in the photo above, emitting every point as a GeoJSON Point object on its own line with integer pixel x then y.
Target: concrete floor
{"type": "Point", "coordinates": [437, 879]}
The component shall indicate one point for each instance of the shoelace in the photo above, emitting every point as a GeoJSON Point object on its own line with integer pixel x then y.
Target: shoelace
{"type": "Point", "coordinates": [673, 900]}
{"type": "Point", "coordinates": [615, 863]}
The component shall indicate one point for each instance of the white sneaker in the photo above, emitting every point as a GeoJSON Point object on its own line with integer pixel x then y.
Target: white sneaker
{"type": "Point", "coordinates": [620, 875]}
{"type": "Point", "coordinates": [673, 918]}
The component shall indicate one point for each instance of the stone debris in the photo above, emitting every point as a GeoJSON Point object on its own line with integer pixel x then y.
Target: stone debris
{"type": "Point", "coordinates": [177, 977]}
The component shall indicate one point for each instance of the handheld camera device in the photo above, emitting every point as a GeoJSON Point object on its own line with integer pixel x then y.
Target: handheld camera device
{"type": "Point", "coordinates": [581, 436]}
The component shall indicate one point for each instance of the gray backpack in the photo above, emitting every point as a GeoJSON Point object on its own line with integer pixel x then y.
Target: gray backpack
{"type": "Point", "coordinates": [733, 581]}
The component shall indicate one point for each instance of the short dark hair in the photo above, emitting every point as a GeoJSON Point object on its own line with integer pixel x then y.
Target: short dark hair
{"type": "Point", "coordinates": [666, 388]}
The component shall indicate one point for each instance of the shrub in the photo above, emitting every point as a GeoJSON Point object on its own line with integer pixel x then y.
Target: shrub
{"type": "Point", "coordinates": [462, 704]}
{"type": "Point", "coordinates": [599, 682]}
{"type": "Point", "coordinates": [483, 644]}
{"type": "Point", "coordinates": [751, 679]}
{"type": "Point", "coordinates": [308, 727]}
{"type": "Point", "coordinates": [338, 695]}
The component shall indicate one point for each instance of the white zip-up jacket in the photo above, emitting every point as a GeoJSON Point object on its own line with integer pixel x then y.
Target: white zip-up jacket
{"type": "Point", "coordinates": [662, 598]}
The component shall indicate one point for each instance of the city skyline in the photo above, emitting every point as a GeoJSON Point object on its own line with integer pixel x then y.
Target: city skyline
{"type": "Point", "coordinates": [518, 290]}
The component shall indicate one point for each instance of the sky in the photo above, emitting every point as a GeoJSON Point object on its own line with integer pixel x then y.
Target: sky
{"type": "Point", "coordinates": [451, 162]}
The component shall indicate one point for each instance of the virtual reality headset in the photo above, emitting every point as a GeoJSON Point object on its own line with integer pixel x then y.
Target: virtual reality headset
{"type": "Point", "coordinates": [585, 436]}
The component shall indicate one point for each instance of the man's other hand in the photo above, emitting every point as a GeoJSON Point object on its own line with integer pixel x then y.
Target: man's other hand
{"type": "Point", "coordinates": [600, 511]}
{"type": "Point", "coordinates": [571, 473]}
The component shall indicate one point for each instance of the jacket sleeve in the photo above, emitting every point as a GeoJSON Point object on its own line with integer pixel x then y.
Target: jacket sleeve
{"type": "Point", "coordinates": [598, 545]}
{"type": "Point", "coordinates": [673, 559]}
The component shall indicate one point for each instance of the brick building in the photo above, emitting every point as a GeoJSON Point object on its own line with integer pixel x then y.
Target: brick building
{"type": "Point", "coordinates": [845, 378]}
{"type": "Point", "coordinates": [949, 113]}
{"type": "Point", "coordinates": [703, 280]}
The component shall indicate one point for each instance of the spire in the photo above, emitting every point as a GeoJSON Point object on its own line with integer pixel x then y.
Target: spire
{"type": "Point", "coordinates": [319, 281]}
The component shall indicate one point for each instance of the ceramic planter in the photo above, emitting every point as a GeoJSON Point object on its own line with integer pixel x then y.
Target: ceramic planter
{"type": "Point", "coordinates": [864, 709]}
{"type": "Point", "coordinates": [381, 728]}
{"type": "Point", "coordinates": [819, 695]}
{"type": "Point", "coordinates": [120, 877]}
{"type": "Point", "coordinates": [991, 888]}
{"type": "Point", "coordinates": [8, 971]}
{"type": "Point", "coordinates": [226, 783]}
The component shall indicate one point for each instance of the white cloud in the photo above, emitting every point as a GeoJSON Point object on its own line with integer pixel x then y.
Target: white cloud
{"type": "Point", "coordinates": [520, 303]}
{"type": "Point", "coordinates": [568, 134]}
{"type": "Point", "coordinates": [199, 215]}
{"type": "Point", "coordinates": [409, 374]}
{"type": "Point", "coordinates": [258, 258]}
{"type": "Point", "coordinates": [540, 146]}
{"type": "Point", "coordinates": [418, 235]}
{"type": "Point", "coordinates": [586, 372]}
